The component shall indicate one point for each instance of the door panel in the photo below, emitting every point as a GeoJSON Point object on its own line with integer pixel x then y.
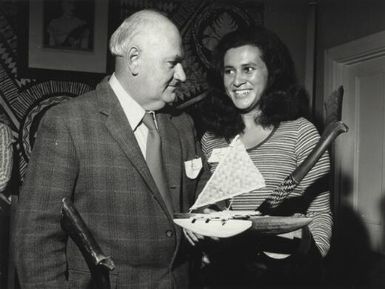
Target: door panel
{"type": "Point", "coordinates": [363, 151]}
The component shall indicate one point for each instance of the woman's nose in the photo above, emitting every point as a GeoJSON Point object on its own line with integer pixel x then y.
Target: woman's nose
{"type": "Point", "coordinates": [238, 79]}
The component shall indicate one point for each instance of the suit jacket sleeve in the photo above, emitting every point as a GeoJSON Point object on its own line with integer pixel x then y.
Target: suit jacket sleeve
{"type": "Point", "coordinates": [40, 241]}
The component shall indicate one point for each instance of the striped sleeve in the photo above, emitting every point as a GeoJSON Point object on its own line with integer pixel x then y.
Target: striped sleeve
{"type": "Point", "coordinates": [6, 151]}
{"type": "Point", "coordinates": [315, 186]}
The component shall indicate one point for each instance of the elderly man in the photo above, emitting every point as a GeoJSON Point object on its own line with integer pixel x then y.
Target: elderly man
{"type": "Point", "coordinates": [97, 149]}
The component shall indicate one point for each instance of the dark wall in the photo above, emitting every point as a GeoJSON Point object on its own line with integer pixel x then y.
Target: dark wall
{"type": "Point", "coordinates": [289, 20]}
{"type": "Point", "coordinates": [341, 21]}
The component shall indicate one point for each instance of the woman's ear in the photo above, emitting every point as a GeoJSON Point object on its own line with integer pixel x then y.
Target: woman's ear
{"type": "Point", "coordinates": [133, 58]}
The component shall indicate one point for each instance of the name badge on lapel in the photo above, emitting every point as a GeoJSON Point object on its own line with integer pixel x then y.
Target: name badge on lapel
{"type": "Point", "coordinates": [193, 167]}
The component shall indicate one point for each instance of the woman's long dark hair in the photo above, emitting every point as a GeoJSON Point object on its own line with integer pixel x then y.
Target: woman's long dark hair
{"type": "Point", "coordinates": [283, 99]}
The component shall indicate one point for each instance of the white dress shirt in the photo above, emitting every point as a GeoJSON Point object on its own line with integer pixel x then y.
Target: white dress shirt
{"type": "Point", "coordinates": [133, 111]}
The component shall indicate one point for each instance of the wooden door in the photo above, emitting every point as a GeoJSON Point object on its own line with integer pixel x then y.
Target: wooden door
{"type": "Point", "coordinates": [360, 155]}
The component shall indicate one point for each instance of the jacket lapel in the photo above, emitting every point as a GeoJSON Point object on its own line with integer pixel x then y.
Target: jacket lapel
{"type": "Point", "coordinates": [120, 129]}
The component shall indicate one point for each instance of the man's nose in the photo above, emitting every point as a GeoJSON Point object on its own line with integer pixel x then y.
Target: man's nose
{"type": "Point", "coordinates": [179, 73]}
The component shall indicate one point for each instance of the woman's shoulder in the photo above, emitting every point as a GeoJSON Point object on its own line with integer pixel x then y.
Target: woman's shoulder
{"type": "Point", "coordinates": [209, 141]}
{"type": "Point", "coordinates": [299, 124]}
{"type": "Point", "coordinates": [298, 130]}
{"type": "Point", "coordinates": [209, 137]}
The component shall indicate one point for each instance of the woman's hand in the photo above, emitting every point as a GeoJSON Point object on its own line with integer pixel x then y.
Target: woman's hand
{"type": "Point", "coordinates": [194, 238]}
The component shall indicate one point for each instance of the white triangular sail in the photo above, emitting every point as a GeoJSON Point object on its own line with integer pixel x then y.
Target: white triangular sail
{"type": "Point", "coordinates": [235, 174]}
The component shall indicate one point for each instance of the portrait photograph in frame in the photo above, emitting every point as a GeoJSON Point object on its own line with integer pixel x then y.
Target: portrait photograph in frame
{"type": "Point", "coordinates": [62, 39]}
{"type": "Point", "coordinates": [68, 24]}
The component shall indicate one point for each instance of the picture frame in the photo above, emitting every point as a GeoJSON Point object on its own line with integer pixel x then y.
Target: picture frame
{"type": "Point", "coordinates": [61, 39]}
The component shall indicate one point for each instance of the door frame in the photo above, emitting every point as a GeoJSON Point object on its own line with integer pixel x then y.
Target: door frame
{"type": "Point", "coordinates": [336, 60]}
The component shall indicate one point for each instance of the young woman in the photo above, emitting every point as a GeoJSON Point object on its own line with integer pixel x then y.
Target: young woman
{"type": "Point", "coordinates": [256, 97]}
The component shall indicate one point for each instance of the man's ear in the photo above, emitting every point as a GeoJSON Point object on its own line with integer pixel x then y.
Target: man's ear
{"type": "Point", "coordinates": [133, 58]}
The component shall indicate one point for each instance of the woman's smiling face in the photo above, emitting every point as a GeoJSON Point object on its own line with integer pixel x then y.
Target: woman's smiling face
{"type": "Point", "coordinates": [244, 76]}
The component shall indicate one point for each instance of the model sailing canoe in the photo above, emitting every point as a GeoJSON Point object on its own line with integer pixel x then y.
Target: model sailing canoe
{"type": "Point", "coordinates": [221, 186]}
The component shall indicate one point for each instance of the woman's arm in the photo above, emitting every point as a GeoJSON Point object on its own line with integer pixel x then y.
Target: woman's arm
{"type": "Point", "coordinates": [315, 188]}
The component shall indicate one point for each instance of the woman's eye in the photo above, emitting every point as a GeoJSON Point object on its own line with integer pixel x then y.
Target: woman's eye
{"type": "Point", "coordinates": [249, 69]}
{"type": "Point", "coordinates": [228, 71]}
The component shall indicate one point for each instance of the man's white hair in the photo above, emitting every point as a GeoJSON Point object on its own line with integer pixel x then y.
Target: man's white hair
{"type": "Point", "coordinates": [132, 26]}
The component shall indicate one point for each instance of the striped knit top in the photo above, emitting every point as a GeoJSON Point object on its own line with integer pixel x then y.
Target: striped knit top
{"type": "Point", "coordinates": [5, 155]}
{"type": "Point", "coordinates": [276, 157]}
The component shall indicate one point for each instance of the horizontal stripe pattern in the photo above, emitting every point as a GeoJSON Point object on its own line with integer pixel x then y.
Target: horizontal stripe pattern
{"type": "Point", "coordinates": [276, 158]}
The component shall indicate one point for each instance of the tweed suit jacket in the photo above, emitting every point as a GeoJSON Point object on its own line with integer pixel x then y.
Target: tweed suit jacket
{"type": "Point", "coordinates": [86, 150]}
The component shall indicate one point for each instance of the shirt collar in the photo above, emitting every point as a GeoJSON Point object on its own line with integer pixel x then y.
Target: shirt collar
{"type": "Point", "coordinates": [133, 111]}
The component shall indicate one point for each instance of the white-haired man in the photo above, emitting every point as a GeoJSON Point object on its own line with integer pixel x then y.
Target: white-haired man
{"type": "Point", "coordinates": [92, 149]}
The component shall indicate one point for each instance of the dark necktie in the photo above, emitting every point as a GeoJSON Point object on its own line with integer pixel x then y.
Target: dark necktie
{"type": "Point", "coordinates": [154, 159]}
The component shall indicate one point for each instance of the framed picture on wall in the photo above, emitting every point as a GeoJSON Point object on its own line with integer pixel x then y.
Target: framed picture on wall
{"type": "Point", "coordinates": [62, 38]}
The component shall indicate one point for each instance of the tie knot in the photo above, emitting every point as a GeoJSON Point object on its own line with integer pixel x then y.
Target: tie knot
{"type": "Point", "coordinates": [148, 120]}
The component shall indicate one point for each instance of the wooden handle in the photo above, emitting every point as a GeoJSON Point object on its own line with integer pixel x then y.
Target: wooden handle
{"type": "Point", "coordinates": [74, 225]}
{"type": "Point", "coordinates": [329, 135]}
